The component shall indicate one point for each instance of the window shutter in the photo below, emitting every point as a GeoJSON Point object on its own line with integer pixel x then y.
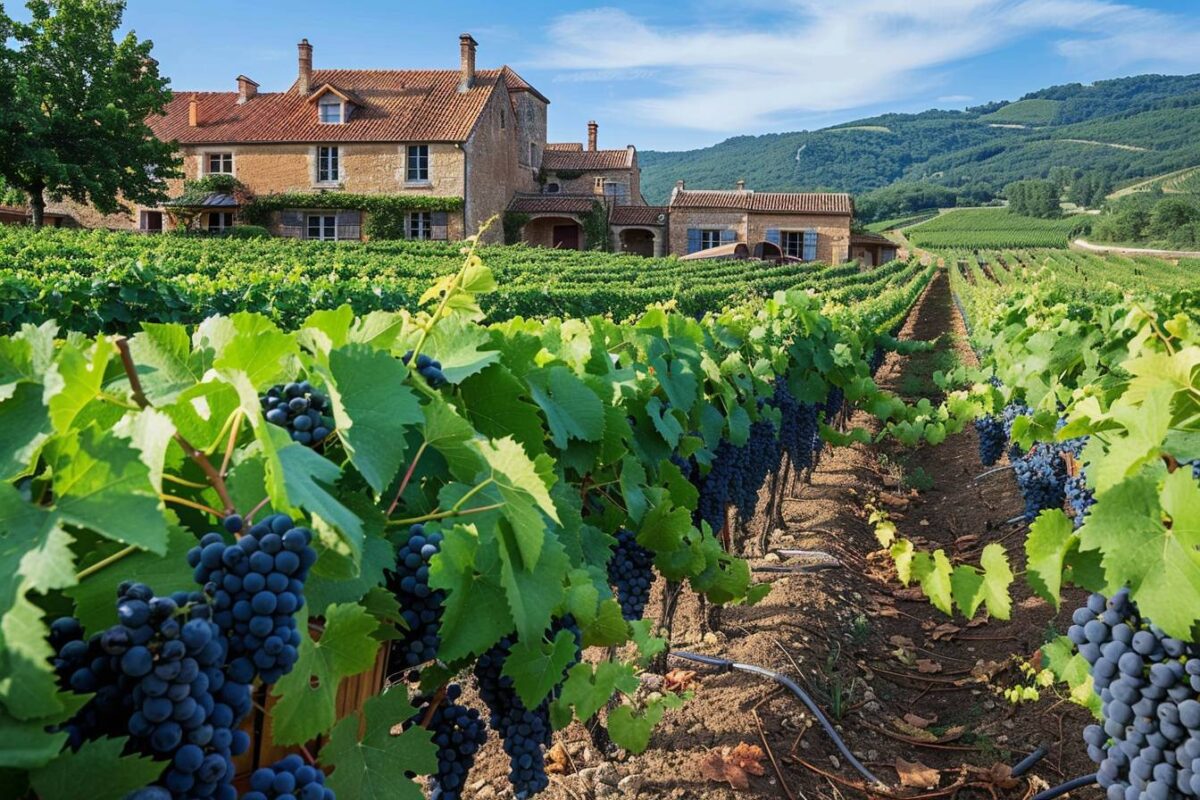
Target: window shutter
{"type": "Point", "coordinates": [728, 236]}
{"type": "Point", "coordinates": [349, 225]}
{"type": "Point", "coordinates": [291, 223]}
{"type": "Point", "coordinates": [773, 237]}
{"type": "Point", "coordinates": [810, 245]}
{"type": "Point", "coordinates": [693, 240]}
{"type": "Point", "coordinates": [441, 226]}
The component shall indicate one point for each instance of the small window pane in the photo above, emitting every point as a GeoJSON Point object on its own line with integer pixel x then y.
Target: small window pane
{"type": "Point", "coordinates": [331, 111]}
{"type": "Point", "coordinates": [793, 244]}
{"type": "Point", "coordinates": [327, 165]}
{"type": "Point", "coordinates": [420, 225]}
{"type": "Point", "coordinates": [220, 163]}
{"type": "Point", "coordinates": [418, 163]}
{"type": "Point", "coordinates": [710, 239]}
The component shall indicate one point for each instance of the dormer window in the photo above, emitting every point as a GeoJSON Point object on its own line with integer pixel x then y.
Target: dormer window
{"type": "Point", "coordinates": [331, 109]}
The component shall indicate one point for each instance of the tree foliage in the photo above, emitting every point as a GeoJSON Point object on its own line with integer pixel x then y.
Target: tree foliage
{"type": "Point", "coordinates": [78, 99]}
{"type": "Point", "coordinates": [1034, 198]}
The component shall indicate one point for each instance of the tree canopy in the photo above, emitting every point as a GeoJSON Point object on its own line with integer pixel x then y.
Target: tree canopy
{"type": "Point", "coordinates": [74, 101]}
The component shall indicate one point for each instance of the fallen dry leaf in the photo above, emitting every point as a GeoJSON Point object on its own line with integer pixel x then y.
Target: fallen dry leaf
{"type": "Point", "coordinates": [733, 765]}
{"type": "Point", "coordinates": [916, 775]}
{"type": "Point", "coordinates": [895, 501]}
{"type": "Point", "coordinates": [557, 760]}
{"type": "Point", "coordinates": [902, 641]}
{"type": "Point", "coordinates": [681, 680]}
{"type": "Point", "coordinates": [999, 775]}
{"type": "Point", "coordinates": [905, 657]}
{"type": "Point", "coordinates": [928, 666]}
{"type": "Point", "coordinates": [912, 731]}
{"type": "Point", "coordinates": [915, 593]}
{"type": "Point", "coordinates": [943, 631]}
{"type": "Point", "coordinates": [918, 722]}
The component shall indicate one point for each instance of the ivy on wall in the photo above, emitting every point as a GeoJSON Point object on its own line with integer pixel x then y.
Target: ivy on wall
{"type": "Point", "coordinates": [514, 221]}
{"type": "Point", "coordinates": [595, 228]}
{"type": "Point", "coordinates": [385, 212]}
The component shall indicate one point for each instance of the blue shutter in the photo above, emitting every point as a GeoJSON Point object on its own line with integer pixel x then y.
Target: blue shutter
{"type": "Point", "coordinates": [728, 237]}
{"type": "Point", "coordinates": [773, 237]}
{"type": "Point", "coordinates": [693, 240]}
{"type": "Point", "coordinates": [810, 245]}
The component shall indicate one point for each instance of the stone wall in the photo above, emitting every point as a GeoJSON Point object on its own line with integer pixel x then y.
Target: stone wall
{"type": "Point", "coordinates": [586, 183]}
{"type": "Point", "coordinates": [833, 232]}
{"type": "Point", "coordinates": [531, 128]}
{"type": "Point", "coordinates": [681, 219]}
{"type": "Point", "coordinates": [493, 165]}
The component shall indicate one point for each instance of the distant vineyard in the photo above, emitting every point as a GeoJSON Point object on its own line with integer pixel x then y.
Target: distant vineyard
{"type": "Point", "coordinates": [96, 281]}
{"type": "Point", "coordinates": [994, 228]}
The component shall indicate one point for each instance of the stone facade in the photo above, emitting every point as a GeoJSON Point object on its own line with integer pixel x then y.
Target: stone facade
{"type": "Point", "coordinates": [593, 181]}
{"type": "Point", "coordinates": [833, 232]}
{"type": "Point", "coordinates": [494, 171]}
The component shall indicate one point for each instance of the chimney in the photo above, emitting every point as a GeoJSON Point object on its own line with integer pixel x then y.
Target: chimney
{"type": "Point", "coordinates": [741, 184]}
{"type": "Point", "coordinates": [246, 88]}
{"type": "Point", "coordinates": [304, 80]}
{"type": "Point", "coordinates": [466, 61]}
{"type": "Point", "coordinates": [679, 185]}
{"type": "Point", "coordinates": [193, 113]}
{"type": "Point", "coordinates": [592, 128]}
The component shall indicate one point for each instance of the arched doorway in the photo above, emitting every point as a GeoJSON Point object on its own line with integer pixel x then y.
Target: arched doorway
{"type": "Point", "coordinates": [637, 241]}
{"type": "Point", "coordinates": [563, 233]}
{"type": "Point", "coordinates": [765, 251]}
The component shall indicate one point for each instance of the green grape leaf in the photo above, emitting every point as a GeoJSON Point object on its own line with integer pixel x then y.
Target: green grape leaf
{"type": "Point", "coordinates": [966, 587]}
{"type": "Point", "coordinates": [648, 646]}
{"type": "Point", "coordinates": [78, 382]}
{"type": "Point", "coordinates": [24, 428]}
{"type": "Point", "coordinates": [475, 614]}
{"type": "Point", "coordinates": [100, 483]}
{"type": "Point", "coordinates": [449, 434]}
{"type": "Point", "coordinates": [997, 577]}
{"type": "Point", "coordinates": [306, 698]}
{"type": "Point", "coordinates": [109, 774]}
{"type": "Point", "coordinates": [933, 573]}
{"type": "Point", "coordinates": [250, 343]}
{"type": "Point", "coordinates": [524, 492]}
{"type": "Point", "coordinates": [902, 555]}
{"type": "Point", "coordinates": [1050, 536]}
{"type": "Point", "coordinates": [532, 594]}
{"type": "Point", "coordinates": [632, 731]}
{"type": "Point", "coordinates": [573, 411]}
{"type": "Point", "coordinates": [459, 346]}
{"type": "Point", "coordinates": [326, 328]}
{"type": "Point", "coordinates": [376, 766]}
{"type": "Point", "coordinates": [306, 476]}
{"type": "Point", "coordinates": [1068, 666]}
{"type": "Point", "coordinates": [373, 407]}
{"type": "Point", "coordinates": [609, 629]}
{"type": "Point", "coordinates": [164, 361]}
{"type": "Point", "coordinates": [336, 578]}
{"type": "Point", "coordinates": [664, 527]}
{"type": "Point", "coordinates": [493, 402]}
{"type": "Point", "coordinates": [27, 745]}
{"type": "Point", "coordinates": [536, 667]}
{"type": "Point", "coordinates": [1161, 564]}
{"type": "Point", "coordinates": [588, 689]}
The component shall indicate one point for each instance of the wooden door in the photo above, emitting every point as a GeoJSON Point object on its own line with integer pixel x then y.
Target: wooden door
{"type": "Point", "coordinates": [565, 237]}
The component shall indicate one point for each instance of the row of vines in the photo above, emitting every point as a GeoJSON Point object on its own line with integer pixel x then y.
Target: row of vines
{"type": "Point", "coordinates": [200, 524]}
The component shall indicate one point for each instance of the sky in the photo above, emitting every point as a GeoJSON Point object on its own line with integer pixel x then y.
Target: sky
{"type": "Point", "coordinates": [690, 73]}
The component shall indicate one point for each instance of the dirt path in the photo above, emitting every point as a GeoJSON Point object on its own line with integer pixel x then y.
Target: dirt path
{"type": "Point", "coordinates": [880, 661]}
{"type": "Point", "coordinates": [1130, 147]}
{"type": "Point", "coordinates": [1083, 244]}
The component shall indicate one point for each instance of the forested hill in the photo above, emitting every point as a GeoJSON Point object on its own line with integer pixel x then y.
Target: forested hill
{"type": "Point", "coordinates": [1122, 129]}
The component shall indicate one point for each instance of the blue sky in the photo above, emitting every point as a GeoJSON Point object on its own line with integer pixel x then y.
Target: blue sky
{"type": "Point", "coordinates": [693, 72]}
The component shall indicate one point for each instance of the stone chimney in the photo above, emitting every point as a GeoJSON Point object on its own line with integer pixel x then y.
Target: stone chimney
{"type": "Point", "coordinates": [304, 79]}
{"type": "Point", "coordinates": [680, 185]}
{"type": "Point", "coordinates": [592, 129]}
{"type": "Point", "coordinates": [741, 184]}
{"type": "Point", "coordinates": [466, 61]}
{"type": "Point", "coordinates": [193, 113]}
{"type": "Point", "coordinates": [246, 88]}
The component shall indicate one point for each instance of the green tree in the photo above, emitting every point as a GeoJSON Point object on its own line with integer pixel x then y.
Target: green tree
{"type": "Point", "coordinates": [1171, 215]}
{"type": "Point", "coordinates": [1034, 198]}
{"type": "Point", "coordinates": [76, 124]}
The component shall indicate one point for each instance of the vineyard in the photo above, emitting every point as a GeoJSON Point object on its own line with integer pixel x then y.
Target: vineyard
{"type": "Point", "coordinates": [993, 228]}
{"type": "Point", "coordinates": [288, 520]}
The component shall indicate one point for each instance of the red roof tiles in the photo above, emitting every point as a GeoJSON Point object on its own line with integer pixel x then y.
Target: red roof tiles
{"type": "Point", "coordinates": [573, 146]}
{"type": "Point", "coordinates": [638, 215]}
{"type": "Point", "coordinates": [765, 202]}
{"type": "Point", "coordinates": [551, 204]}
{"type": "Point", "coordinates": [394, 106]}
{"type": "Point", "coordinates": [556, 159]}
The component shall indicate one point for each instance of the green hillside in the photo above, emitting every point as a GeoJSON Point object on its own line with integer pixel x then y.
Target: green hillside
{"type": "Point", "coordinates": [1124, 129]}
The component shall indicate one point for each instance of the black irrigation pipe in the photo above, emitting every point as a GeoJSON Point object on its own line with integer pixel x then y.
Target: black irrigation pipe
{"type": "Point", "coordinates": [1027, 763]}
{"type": "Point", "coordinates": [1069, 786]}
{"type": "Point", "coordinates": [726, 665]}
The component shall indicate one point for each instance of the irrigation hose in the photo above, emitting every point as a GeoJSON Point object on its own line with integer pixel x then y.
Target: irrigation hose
{"type": "Point", "coordinates": [1026, 763]}
{"type": "Point", "coordinates": [1069, 786]}
{"type": "Point", "coordinates": [783, 680]}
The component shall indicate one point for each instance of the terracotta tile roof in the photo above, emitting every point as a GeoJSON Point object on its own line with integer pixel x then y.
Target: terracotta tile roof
{"type": "Point", "coordinates": [395, 106]}
{"type": "Point", "coordinates": [552, 204]}
{"type": "Point", "coordinates": [768, 202]}
{"type": "Point", "coordinates": [573, 146]}
{"type": "Point", "coordinates": [518, 84]}
{"type": "Point", "coordinates": [638, 215]}
{"type": "Point", "coordinates": [587, 159]}
{"type": "Point", "coordinates": [871, 238]}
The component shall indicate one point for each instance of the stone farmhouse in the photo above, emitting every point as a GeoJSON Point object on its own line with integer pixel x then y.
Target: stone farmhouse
{"type": "Point", "coordinates": [437, 153]}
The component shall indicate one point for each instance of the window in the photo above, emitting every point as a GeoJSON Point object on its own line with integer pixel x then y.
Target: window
{"type": "Point", "coordinates": [327, 165]}
{"type": "Point", "coordinates": [218, 221]}
{"type": "Point", "coordinates": [793, 243]}
{"type": "Point", "coordinates": [533, 159]}
{"type": "Point", "coordinates": [503, 119]}
{"type": "Point", "coordinates": [219, 164]}
{"type": "Point", "coordinates": [553, 188]}
{"type": "Point", "coordinates": [151, 222]}
{"type": "Point", "coordinates": [619, 192]}
{"type": "Point", "coordinates": [331, 110]}
{"type": "Point", "coordinates": [418, 163]}
{"type": "Point", "coordinates": [709, 239]}
{"type": "Point", "coordinates": [322, 226]}
{"type": "Point", "coordinates": [420, 225]}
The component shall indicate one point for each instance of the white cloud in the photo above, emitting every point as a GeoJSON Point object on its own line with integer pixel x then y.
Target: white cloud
{"type": "Point", "coordinates": [816, 56]}
{"type": "Point", "coordinates": [955, 98]}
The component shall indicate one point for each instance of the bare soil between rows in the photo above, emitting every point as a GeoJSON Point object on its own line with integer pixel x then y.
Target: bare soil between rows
{"type": "Point", "coordinates": [900, 679]}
